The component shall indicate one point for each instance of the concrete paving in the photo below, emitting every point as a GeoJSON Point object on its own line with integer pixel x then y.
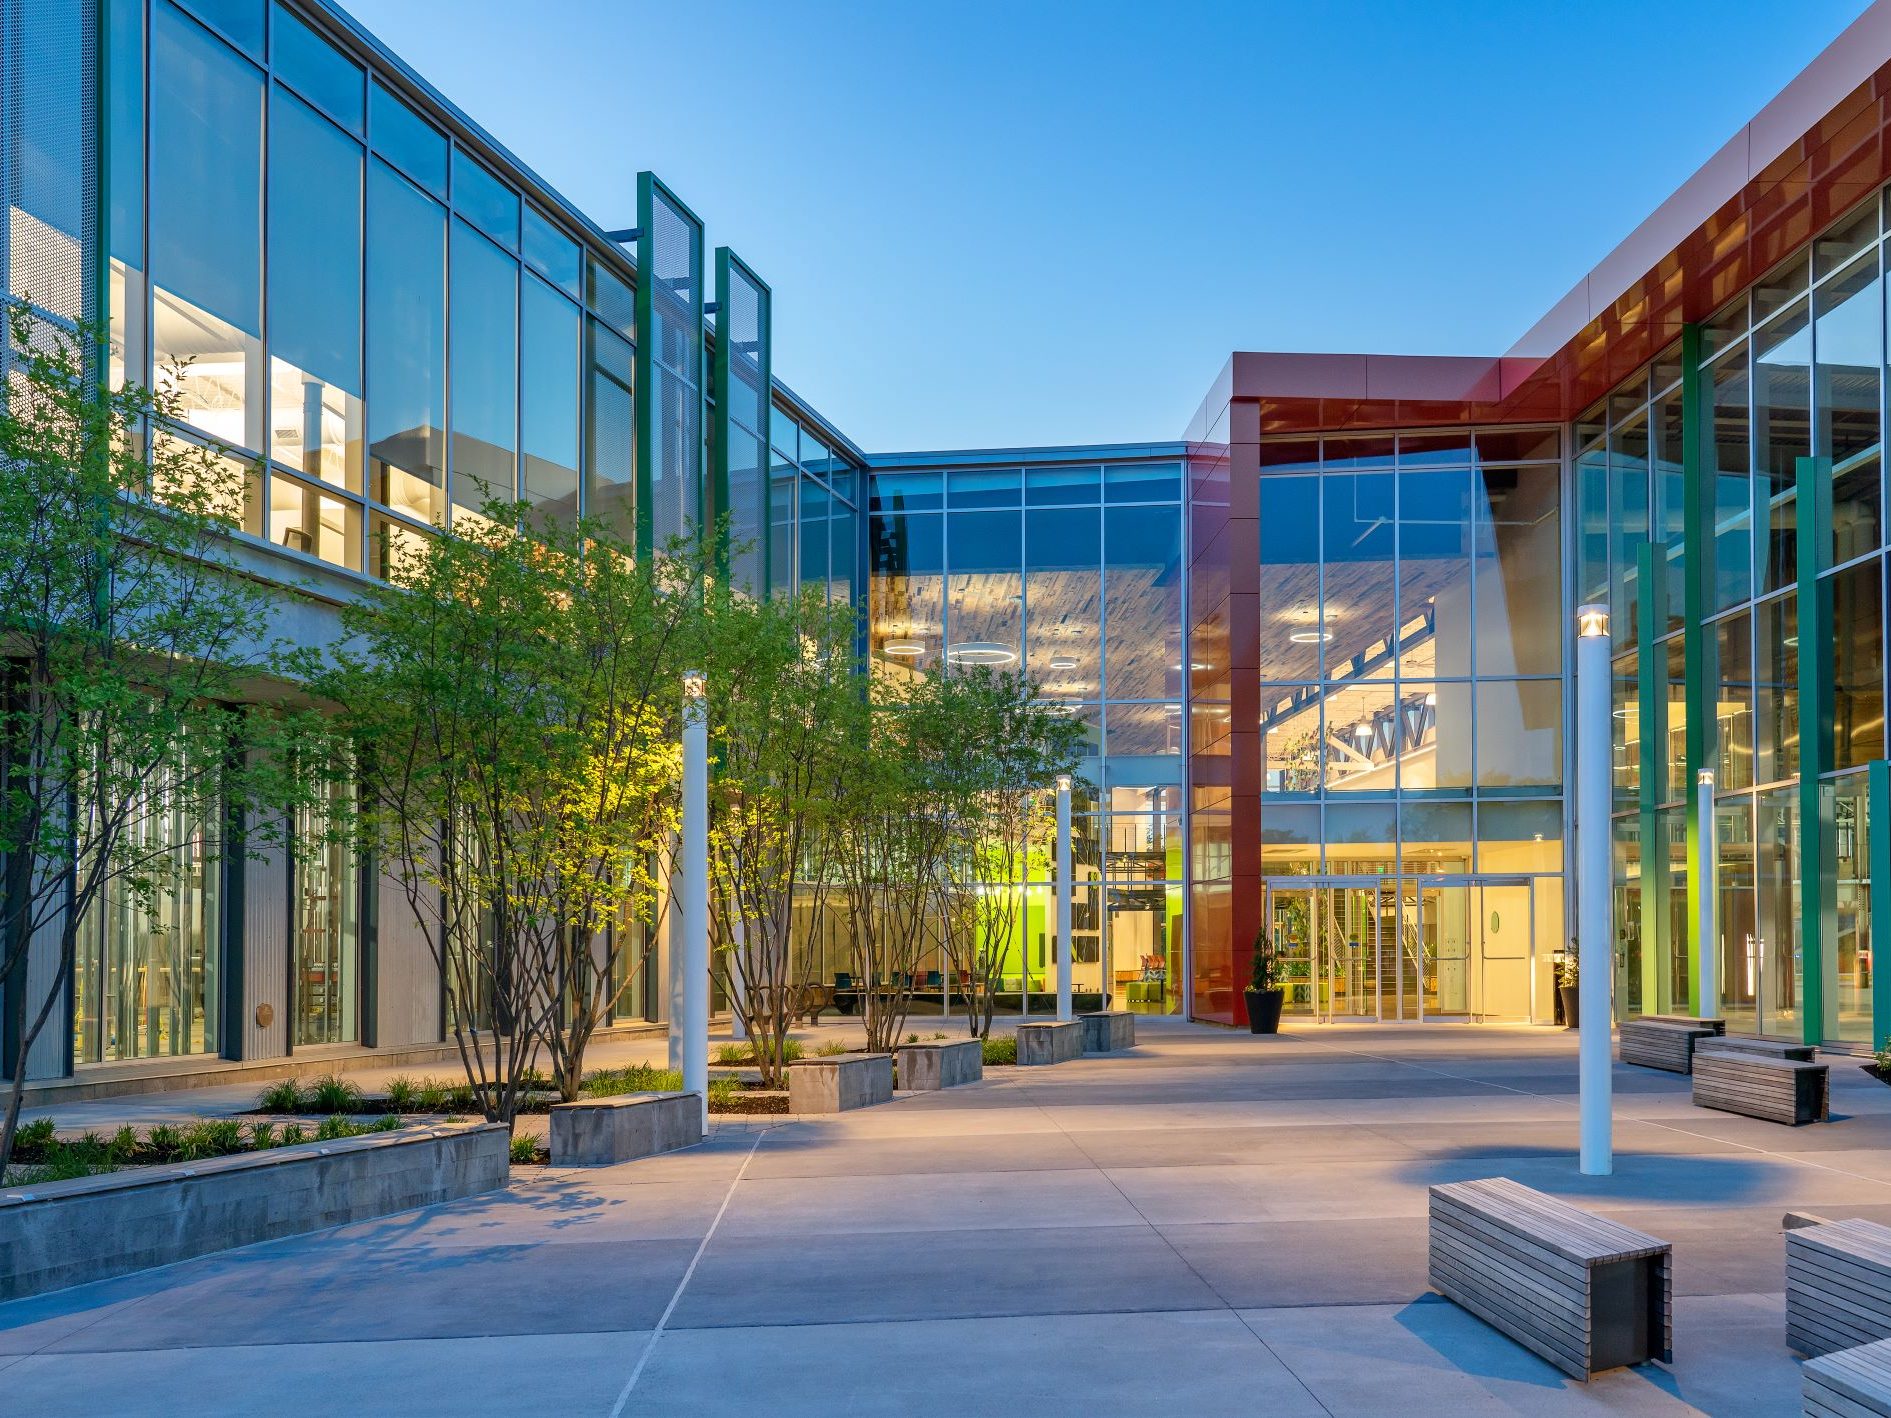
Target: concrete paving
{"type": "Point", "coordinates": [1212, 1223]}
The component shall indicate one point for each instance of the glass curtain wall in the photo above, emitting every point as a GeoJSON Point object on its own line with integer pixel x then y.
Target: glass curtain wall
{"type": "Point", "coordinates": [394, 257]}
{"type": "Point", "coordinates": [1794, 370]}
{"type": "Point", "coordinates": [1411, 645]}
{"type": "Point", "coordinates": [1072, 571]}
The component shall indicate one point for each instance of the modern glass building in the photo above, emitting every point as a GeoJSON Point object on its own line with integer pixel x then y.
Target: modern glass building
{"type": "Point", "coordinates": [1322, 644]}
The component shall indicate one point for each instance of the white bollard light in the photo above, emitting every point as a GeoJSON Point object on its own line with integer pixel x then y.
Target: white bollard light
{"type": "Point", "coordinates": [1594, 932]}
{"type": "Point", "coordinates": [1707, 885]}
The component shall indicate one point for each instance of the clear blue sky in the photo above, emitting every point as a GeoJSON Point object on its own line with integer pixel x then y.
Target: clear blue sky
{"type": "Point", "coordinates": [993, 222]}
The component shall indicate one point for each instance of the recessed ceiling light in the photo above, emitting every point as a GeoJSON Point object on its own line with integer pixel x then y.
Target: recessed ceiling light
{"type": "Point", "coordinates": [1063, 662]}
{"type": "Point", "coordinates": [1310, 637]}
{"type": "Point", "coordinates": [905, 649]}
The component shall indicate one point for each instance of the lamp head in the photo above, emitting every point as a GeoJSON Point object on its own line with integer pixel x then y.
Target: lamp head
{"type": "Point", "coordinates": [1592, 620]}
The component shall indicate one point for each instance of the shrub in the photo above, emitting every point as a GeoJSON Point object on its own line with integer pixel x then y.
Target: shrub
{"type": "Point", "coordinates": [262, 1136]}
{"type": "Point", "coordinates": [723, 1092]}
{"type": "Point", "coordinates": [335, 1126]}
{"type": "Point", "coordinates": [403, 1094]}
{"type": "Point", "coordinates": [790, 1050]}
{"type": "Point", "coordinates": [282, 1096]}
{"type": "Point", "coordinates": [218, 1137]}
{"type": "Point", "coordinates": [332, 1093]}
{"type": "Point", "coordinates": [433, 1096]}
{"type": "Point", "coordinates": [1001, 1049]}
{"type": "Point", "coordinates": [292, 1133]}
{"type": "Point", "coordinates": [734, 1053]}
{"type": "Point", "coordinates": [164, 1143]}
{"type": "Point", "coordinates": [387, 1122]}
{"type": "Point", "coordinates": [525, 1150]}
{"type": "Point", "coordinates": [637, 1078]}
{"type": "Point", "coordinates": [124, 1145]}
{"type": "Point", "coordinates": [34, 1140]}
{"type": "Point", "coordinates": [912, 1038]}
{"type": "Point", "coordinates": [832, 1049]}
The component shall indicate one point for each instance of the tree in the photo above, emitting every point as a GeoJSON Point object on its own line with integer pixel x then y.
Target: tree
{"type": "Point", "coordinates": [127, 633]}
{"type": "Point", "coordinates": [513, 696]}
{"type": "Point", "coordinates": [781, 690]}
{"type": "Point", "coordinates": [1000, 746]}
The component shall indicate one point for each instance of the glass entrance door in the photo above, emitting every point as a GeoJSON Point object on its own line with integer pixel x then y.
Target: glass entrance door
{"type": "Point", "coordinates": [1328, 942]}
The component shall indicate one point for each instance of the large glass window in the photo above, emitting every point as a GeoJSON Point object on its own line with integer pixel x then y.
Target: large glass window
{"type": "Point", "coordinates": [1062, 591]}
{"type": "Point", "coordinates": [206, 228]}
{"type": "Point", "coordinates": [327, 985]}
{"type": "Point", "coordinates": [1848, 341]}
{"type": "Point", "coordinates": [1857, 602]}
{"type": "Point", "coordinates": [1434, 592]}
{"type": "Point", "coordinates": [1518, 544]}
{"type": "Point", "coordinates": [548, 399]}
{"type": "Point", "coordinates": [318, 71]}
{"type": "Point", "coordinates": [314, 295]}
{"type": "Point", "coordinates": [485, 371]}
{"type": "Point", "coordinates": [406, 346]}
{"type": "Point", "coordinates": [1290, 579]}
{"type": "Point", "coordinates": [146, 973]}
{"type": "Point", "coordinates": [1782, 435]}
{"type": "Point", "coordinates": [1142, 605]}
{"type": "Point", "coordinates": [611, 431]}
{"type": "Point", "coordinates": [1357, 545]}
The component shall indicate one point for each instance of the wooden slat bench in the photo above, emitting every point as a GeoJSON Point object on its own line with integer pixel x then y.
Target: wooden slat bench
{"type": "Point", "coordinates": [1838, 1286]}
{"type": "Point", "coordinates": [1653, 1044]}
{"type": "Point", "coordinates": [1693, 1021]}
{"type": "Point", "coordinates": [1771, 1048]}
{"type": "Point", "coordinates": [1585, 1293]}
{"type": "Point", "coordinates": [1789, 1091]}
{"type": "Point", "coordinates": [1848, 1382]}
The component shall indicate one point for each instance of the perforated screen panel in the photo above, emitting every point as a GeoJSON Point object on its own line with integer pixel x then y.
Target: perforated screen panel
{"type": "Point", "coordinates": [48, 171]}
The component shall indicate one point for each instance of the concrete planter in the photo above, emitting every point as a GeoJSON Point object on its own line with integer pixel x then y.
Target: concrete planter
{"type": "Point", "coordinates": [1051, 1042]}
{"type": "Point", "coordinates": [601, 1131]}
{"type": "Point", "coordinates": [839, 1083]}
{"type": "Point", "coordinates": [1108, 1030]}
{"type": "Point", "coordinates": [66, 1233]}
{"type": "Point", "coordinates": [925, 1067]}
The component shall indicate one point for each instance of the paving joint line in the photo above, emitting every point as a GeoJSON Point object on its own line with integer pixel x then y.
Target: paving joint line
{"type": "Point", "coordinates": [1163, 1236]}
{"type": "Point", "coordinates": [663, 1320]}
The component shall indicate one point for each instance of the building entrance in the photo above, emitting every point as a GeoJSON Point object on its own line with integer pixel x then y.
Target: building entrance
{"type": "Point", "coordinates": [1404, 948]}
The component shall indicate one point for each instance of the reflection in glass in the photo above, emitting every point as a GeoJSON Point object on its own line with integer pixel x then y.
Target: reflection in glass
{"type": "Point", "coordinates": [1063, 596]}
{"type": "Point", "coordinates": [1363, 738]}
{"type": "Point", "coordinates": [1857, 619]}
{"type": "Point", "coordinates": [1142, 558]}
{"type": "Point", "coordinates": [1782, 434]}
{"type": "Point", "coordinates": [1290, 579]}
{"type": "Point", "coordinates": [206, 230]}
{"type": "Point", "coordinates": [406, 347]}
{"type": "Point", "coordinates": [1517, 542]}
{"type": "Point", "coordinates": [1733, 486]}
{"type": "Point", "coordinates": [1290, 739]}
{"type": "Point", "coordinates": [1434, 574]}
{"type": "Point", "coordinates": [1357, 611]}
{"type": "Point", "coordinates": [548, 399]}
{"type": "Point", "coordinates": [610, 432]}
{"type": "Point", "coordinates": [485, 371]}
{"type": "Point", "coordinates": [1848, 340]}
{"type": "Point", "coordinates": [985, 588]}
{"type": "Point", "coordinates": [314, 294]}
{"type": "Point", "coordinates": [1846, 915]}
{"type": "Point", "coordinates": [1776, 874]}
{"type": "Point", "coordinates": [1733, 641]}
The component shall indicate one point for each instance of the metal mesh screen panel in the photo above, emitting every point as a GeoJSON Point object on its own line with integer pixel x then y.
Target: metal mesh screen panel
{"type": "Point", "coordinates": [47, 171]}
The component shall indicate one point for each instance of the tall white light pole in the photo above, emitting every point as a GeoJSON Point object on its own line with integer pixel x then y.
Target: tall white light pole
{"type": "Point", "coordinates": [693, 921]}
{"type": "Point", "coordinates": [1707, 887]}
{"type": "Point", "coordinates": [1594, 953]}
{"type": "Point", "coordinates": [1065, 955]}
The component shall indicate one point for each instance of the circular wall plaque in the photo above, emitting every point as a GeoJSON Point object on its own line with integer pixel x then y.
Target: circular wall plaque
{"type": "Point", "coordinates": [265, 1015]}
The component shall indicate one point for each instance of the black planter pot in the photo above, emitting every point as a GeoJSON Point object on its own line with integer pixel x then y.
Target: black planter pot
{"type": "Point", "coordinates": [1571, 996]}
{"type": "Point", "coordinates": [1264, 1010]}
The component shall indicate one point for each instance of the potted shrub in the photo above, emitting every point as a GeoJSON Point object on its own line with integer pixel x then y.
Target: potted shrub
{"type": "Point", "coordinates": [1264, 996]}
{"type": "Point", "coordinates": [1568, 982]}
